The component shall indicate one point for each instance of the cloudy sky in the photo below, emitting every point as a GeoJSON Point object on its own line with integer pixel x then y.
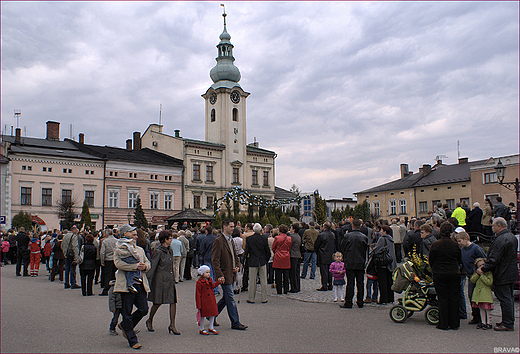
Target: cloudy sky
{"type": "Point", "coordinates": [344, 92]}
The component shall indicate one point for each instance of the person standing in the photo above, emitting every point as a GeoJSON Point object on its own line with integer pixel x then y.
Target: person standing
{"type": "Point", "coordinates": [226, 264]}
{"type": "Point", "coordinates": [184, 253]}
{"type": "Point", "coordinates": [70, 247]}
{"type": "Point", "coordinates": [282, 259]}
{"type": "Point", "coordinates": [189, 256]}
{"type": "Point", "coordinates": [162, 282]}
{"type": "Point", "coordinates": [22, 252]}
{"type": "Point", "coordinates": [87, 267]}
{"type": "Point", "coordinates": [325, 246]}
{"type": "Point", "coordinates": [384, 273]}
{"type": "Point", "coordinates": [445, 260]}
{"type": "Point", "coordinates": [206, 249]}
{"type": "Point", "coordinates": [296, 256]}
{"type": "Point", "coordinates": [106, 256]}
{"type": "Point", "coordinates": [129, 299]}
{"type": "Point", "coordinates": [475, 218]}
{"type": "Point", "coordinates": [460, 215]}
{"type": "Point", "coordinates": [487, 217]}
{"type": "Point", "coordinates": [354, 248]}
{"type": "Point", "coordinates": [258, 253]}
{"type": "Point", "coordinates": [309, 237]}
{"type": "Point", "coordinates": [502, 261]}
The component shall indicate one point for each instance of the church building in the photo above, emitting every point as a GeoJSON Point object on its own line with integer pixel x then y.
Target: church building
{"type": "Point", "coordinates": [223, 160]}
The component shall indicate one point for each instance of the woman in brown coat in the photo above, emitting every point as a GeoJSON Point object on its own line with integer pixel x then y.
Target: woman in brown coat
{"type": "Point", "coordinates": [162, 282]}
{"type": "Point", "coordinates": [282, 259]}
{"type": "Point", "coordinates": [487, 213]}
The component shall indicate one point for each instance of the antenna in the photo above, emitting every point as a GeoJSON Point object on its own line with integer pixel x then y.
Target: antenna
{"type": "Point", "coordinates": [71, 133]}
{"type": "Point", "coordinates": [458, 149]}
{"type": "Point", "coordinates": [17, 116]}
{"type": "Point", "coordinates": [160, 114]}
{"type": "Point", "coordinates": [25, 131]}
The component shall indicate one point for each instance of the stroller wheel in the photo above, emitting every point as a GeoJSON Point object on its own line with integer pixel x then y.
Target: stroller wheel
{"type": "Point", "coordinates": [398, 314]}
{"type": "Point", "coordinates": [432, 315]}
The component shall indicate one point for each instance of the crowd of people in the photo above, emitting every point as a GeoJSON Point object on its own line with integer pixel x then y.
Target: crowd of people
{"type": "Point", "coordinates": [135, 266]}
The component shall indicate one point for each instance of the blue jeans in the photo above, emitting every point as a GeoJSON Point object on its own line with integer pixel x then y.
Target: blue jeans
{"type": "Point", "coordinates": [70, 272]}
{"type": "Point", "coordinates": [372, 284]}
{"type": "Point", "coordinates": [229, 302]}
{"type": "Point", "coordinates": [309, 256]}
{"type": "Point", "coordinates": [212, 273]}
{"type": "Point", "coordinates": [462, 301]}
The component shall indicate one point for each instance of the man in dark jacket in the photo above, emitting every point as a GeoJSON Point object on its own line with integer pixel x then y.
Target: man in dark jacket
{"type": "Point", "coordinates": [206, 248]}
{"type": "Point", "coordinates": [325, 246]}
{"type": "Point", "coordinates": [499, 209]}
{"type": "Point", "coordinates": [23, 254]}
{"type": "Point", "coordinates": [258, 253]}
{"type": "Point", "coordinates": [502, 260]}
{"type": "Point", "coordinates": [354, 248]}
{"type": "Point", "coordinates": [413, 238]}
{"type": "Point", "coordinates": [296, 256]}
{"type": "Point", "coordinates": [475, 218]}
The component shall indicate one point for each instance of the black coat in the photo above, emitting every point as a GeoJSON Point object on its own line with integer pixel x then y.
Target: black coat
{"type": "Point", "coordinates": [22, 241]}
{"type": "Point", "coordinates": [474, 220]}
{"type": "Point", "coordinates": [257, 249]}
{"type": "Point", "coordinates": [502, 258]}
{"type": "Point", "coordinates": [445, 257]}
{"type": "Point", "coordinates": [354, 247]}
{"type": "Point", "coordinates": [411, 239]}
{"type": "Point", "coordinates": [89, 257]}
{"type": "Point", "coordinates": [325, 246]}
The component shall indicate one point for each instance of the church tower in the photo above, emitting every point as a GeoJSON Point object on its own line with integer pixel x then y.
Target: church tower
{"type": "Point", "coordinates": [225, 112]}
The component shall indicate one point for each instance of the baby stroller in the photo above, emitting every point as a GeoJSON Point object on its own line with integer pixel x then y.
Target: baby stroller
{"type": "Point", "coordinates": [417, 295]}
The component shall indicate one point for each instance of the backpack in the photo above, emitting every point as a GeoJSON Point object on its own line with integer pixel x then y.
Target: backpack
{"type": "Point", "coordinates": [70, 249]}
{"type": "Point", "coordinates": [506, 214]}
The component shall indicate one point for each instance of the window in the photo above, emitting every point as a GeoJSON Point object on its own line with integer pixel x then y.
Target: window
{"type": "Point", "coordinates": [113, 199]}
{"type": "Point", "coordinates": [307, 206]}
{"type": "Point", "coordinates": [46, 196]}
{"type": "Point", "coordinates": [492, 197]}
{"type": "Point", "coordinates": [154, 200]}
{"type": "Point", "coordinates": [66, 196]}
{"type": "Point", "coordinates": [25, 197]}
{"type": "Point", "coordinates": [490, 178]}
{"type": "Point", "coordinates": [434, 203]}
{"type": "Point", "coordinates": [196, 172]}
{"type": "Point", "coordinates": [168, 201]}
{"type": "Point", "coordinates": [451, 203]}
{"type": "Point", "coordinates": [132, 199]}
{"type": "Point", "coordinates": [89, 198]}
{"type": "Point", "coordinates": [110, 173]}
{"type": "Point", "coordinates": [44, 169]}
{"type": "Point", "coordinates": [29, 168]}
{"type": "Point", "coordinates": [235, 115]}
{"type": "Point", "coordinates": [209, 173]}
{"type": "Point", "coordinates": [87, 172]}
{"type": "Point", "coordinates": [255, 177]}
{"type": "Point", "coordinates": [423, 207]}
{"type": "Point", "coordinates": [402, 206]}
{"type": "Point", "coordinates": [213, 115]}
{"type": "Point", "coordinates": [266, 178]}
{"type": "Point", "coordinates": [24, 168]}
{"type": "Point", "coordinates": [209, 202]}
{"type": "Point", "coordinates": [196, 201]}
{"type": "Point", "coordinates": [393, 207]}
{"type": "Point", "coordinates": [235, 175]}
{"type": "Point", "coordinates": [375, 208]}
{"type": "Point", "coordinates": [69, 171]}
{"type": "Point", "coordinates": [49, 169]}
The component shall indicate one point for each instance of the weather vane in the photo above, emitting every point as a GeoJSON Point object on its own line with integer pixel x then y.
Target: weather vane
{"type": "Point", "coordinates": [224, 14]}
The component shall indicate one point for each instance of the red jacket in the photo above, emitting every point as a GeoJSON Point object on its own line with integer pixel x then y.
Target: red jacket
{"type": "Point", "coordinates": [205, 298]}
{"type": "Point", "coordinates": [281, 249]}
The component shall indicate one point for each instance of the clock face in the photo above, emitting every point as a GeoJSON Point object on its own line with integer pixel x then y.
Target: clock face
{"type": "Point", "coordinates": [213, 98]}
{"type": "Point", "coordinates": [235, 97]}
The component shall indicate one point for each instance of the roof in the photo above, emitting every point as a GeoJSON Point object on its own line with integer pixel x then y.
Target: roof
{"type": "Point", "coordinates": [280, 193]}
{"type": "Point", "coordinates": [402, 183]}
{"type": "Point", "coordinates": [206, 143]}
{"type": "Point", "coordinates": [254, 149]}
{"type": "Point", "coordinates": [144, 156]}
{"type": "Point", "coordinates": [4, 159]}
{"type": "Point", "coordinates": [54, 148]}
{"type": "Point", "coordinates": [443, 174]}
{"type": "Point", "coordinates": [190, 215]}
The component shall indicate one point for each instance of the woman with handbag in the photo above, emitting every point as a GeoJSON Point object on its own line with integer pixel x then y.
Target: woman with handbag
{"type": "Point", "coordinates": [282, 259]}
{"type": "Point", "coordinates": [87, 266]}
{"type": "Point", "coordinates": [384, 258]}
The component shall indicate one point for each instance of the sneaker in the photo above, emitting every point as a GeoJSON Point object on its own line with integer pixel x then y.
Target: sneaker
{"type": "Point", "coordinates": [113, 332]}
{"type": "Point", "coordinates": [335, 300]}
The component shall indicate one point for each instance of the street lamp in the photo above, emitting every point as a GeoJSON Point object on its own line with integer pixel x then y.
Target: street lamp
{"type": "Point", "coordinates": [129, 217]}
{"type": "Point", "coordinates": [500, 169]}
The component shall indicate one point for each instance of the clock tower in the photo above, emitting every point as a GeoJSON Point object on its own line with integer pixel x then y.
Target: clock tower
{"type": "Point", "coordinates": [225, 112]}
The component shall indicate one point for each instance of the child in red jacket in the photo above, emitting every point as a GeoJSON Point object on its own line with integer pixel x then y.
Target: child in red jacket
{"type": "Point", "coordinates": [205, 300]}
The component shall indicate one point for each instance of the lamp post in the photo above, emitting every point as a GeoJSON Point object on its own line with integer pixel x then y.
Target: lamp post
{"type": "Point", "coordinates": [500, 169]}
{"type": "Point", "coordinates": [129, 217]}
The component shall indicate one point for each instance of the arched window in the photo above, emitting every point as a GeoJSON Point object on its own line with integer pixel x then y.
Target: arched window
{"type": "Point", "coordinates": [213, 115]}
{"type": "Point", "coordinates": [235, 115]}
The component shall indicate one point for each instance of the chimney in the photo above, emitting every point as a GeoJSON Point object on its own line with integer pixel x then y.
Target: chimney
{"type": "Point", "coordinates": [81, 138]}
{"type": "Point", "coordinates": [18, 138]}
{"type": "Point", "coordinates": [177, 133]}
{"type": "Point", "coordinates": [404, 170]}
{"type": "Point", "coordinates": [129, 145]}
{"type": "Point", "coordinates": [426, 169]}
{"type": "Point", "coordinates": [137, 141]}
{"type": "Point", "coordinates": [463, 160]}
{"type": "Point", "coordinates": [53, 130]}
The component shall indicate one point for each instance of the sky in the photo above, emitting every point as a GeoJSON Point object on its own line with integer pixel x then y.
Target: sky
{"type": "Point", "coordinates": [343, 92]}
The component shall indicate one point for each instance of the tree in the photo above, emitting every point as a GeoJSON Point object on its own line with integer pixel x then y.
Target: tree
{"type": "Point", "coordinates": [66, 212]}
{"type": "Point", "coordinates": [85, 216]}
{"type": "Point", "coordinates": [362, 211]}
{"type": "Point", "coordinates": [139, 217]}
{"type": "Point", "coordinates": [320, 208]}
{"type": "Point", "coordinates": [22, 219]}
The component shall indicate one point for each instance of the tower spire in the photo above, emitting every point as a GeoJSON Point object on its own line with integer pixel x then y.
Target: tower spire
{"type": "Point", "coordinates": [225, 70]}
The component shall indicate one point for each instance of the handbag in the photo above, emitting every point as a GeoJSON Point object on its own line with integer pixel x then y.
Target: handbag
{"type": "Point", "coordinates": [382, 258]}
